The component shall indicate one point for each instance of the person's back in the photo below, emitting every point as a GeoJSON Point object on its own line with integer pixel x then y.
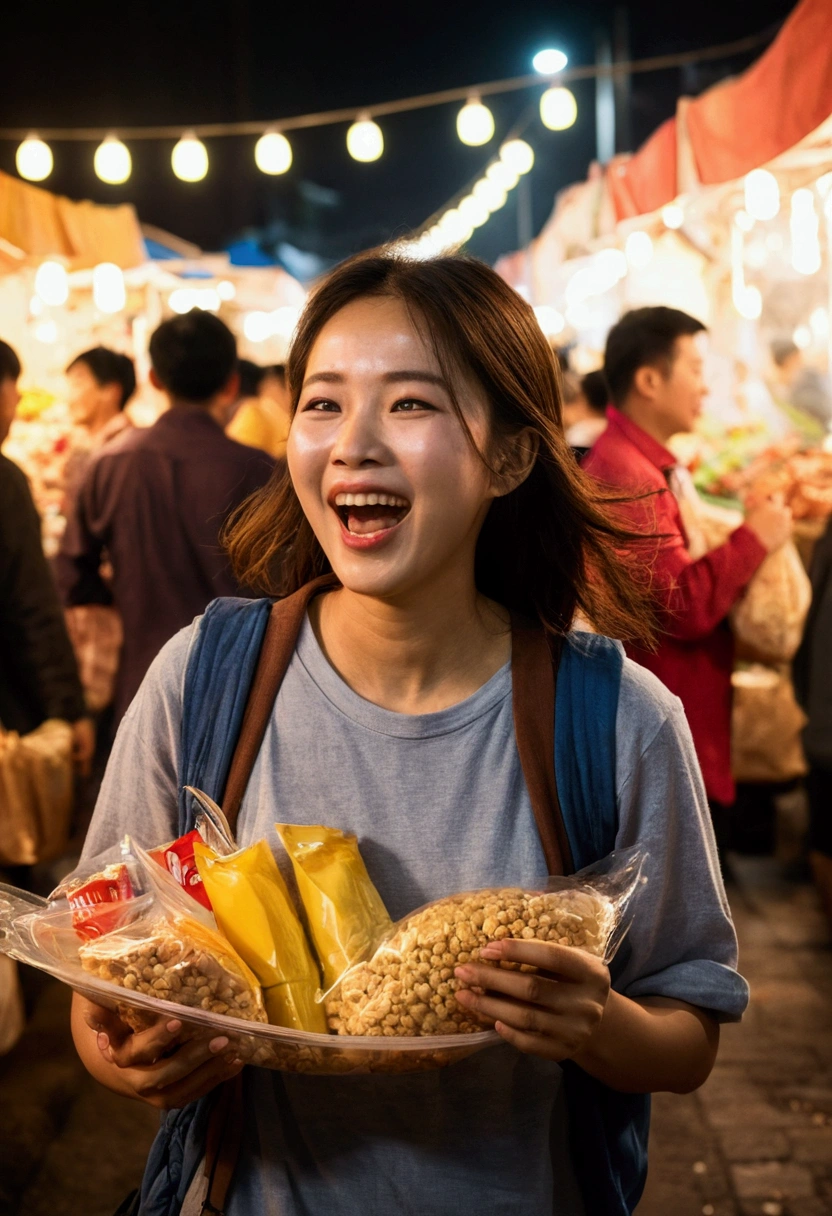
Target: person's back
{"type": "Point", "coordinates": [157, 499]}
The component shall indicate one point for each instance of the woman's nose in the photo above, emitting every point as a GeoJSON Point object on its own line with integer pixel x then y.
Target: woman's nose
{"type": "Point", "coordinates": [358, 440]}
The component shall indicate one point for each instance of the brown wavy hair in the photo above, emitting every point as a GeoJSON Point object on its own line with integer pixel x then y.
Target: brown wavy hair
{"type": "Point", "coordinates": [551, 547]}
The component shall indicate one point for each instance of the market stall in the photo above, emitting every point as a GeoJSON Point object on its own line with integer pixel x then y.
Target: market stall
{"type": "Point", "coordinates": [77, 275]}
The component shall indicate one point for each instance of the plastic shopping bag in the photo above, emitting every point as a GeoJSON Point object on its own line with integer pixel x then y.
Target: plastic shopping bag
{"type": "Point", "coordinates": [766, 727]}
{"type": "Point", "coordinates": [769, 618]}
{"type": "Point", "coordinates": [36, 793]}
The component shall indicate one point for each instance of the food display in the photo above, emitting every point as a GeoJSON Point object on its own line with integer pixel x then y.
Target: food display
{"type": "Point", "coordinates": [408, 986]}
{"type": "Point", "coordinates": [130, 935]}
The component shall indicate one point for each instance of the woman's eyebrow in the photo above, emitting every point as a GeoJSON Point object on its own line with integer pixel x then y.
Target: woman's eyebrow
{"type": "Point", "coordinates": [397, 377]}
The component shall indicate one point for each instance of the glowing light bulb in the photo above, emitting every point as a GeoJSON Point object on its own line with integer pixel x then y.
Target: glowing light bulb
{"type": "Point", "coordinates": [518, 155]}
{"type": "Point", "coordinates": [475, 123]}
{"type": "Point", "coordinates": [208, 299]}
{"type": "Point", "coordinates": [190, 159]}
{"type": "Point", "coordinates": [489, 194]}
{"type": "Point", "coordinates": [819, 322]}
{"type": "Point", "coordinates": [558, 109]}
{"type": "Point", "coordinates": [549, 61]}
{"type": "Point", "coordinates": [112, 161]}
{"type": "Point", "coordinates": [257, 326]}
{"type": "Point", "coordinates": [182, 299]}
{"type": "Point", "coordinates": [46, 331]}
{"type": "Point", "coordinates": [804, 225]}
{"type": "Point", "coordinates": [500, 173]}
{"type": "Point", "coordinates": [638, 249]}
{"type": "Point", "coordinates": [550, 320]}
{"type": "Point", "coordinates": [108, 291]}
{"type": "Point", "coordinates": [52, 284]}
{"type": "Point", "coordinates": [610, 266]}
{"type": "Point", "coordinates": [802, 336]}
{"type": "Point", "coordinates": [749, 303]}
{"type": "Point", "coordinates": [365, 141]}
{"type": "Point", "coordinates": [673, 216]}
{"type": "Point", "coordinates": [473, 211]}
{"type": "Point", "coordinates": [454, 227]}
{"type": "Point", "coordinates": [743, 221]}
{"type": "Point", "coordinates": [34, 159]}
{"type": "Point", "coordinates": [273, 153]}
{"type": "Point", "coordinates": [226, 289]}
{"type": "Point", "coordinates": [762, 194]}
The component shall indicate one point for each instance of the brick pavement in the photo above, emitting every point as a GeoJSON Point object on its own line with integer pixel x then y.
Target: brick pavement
{"type": "Point", "coordinates": [755, 1141]}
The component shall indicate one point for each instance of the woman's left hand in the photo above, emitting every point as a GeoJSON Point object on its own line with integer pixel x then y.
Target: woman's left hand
{"type": "Point", "coordinates": [553, 1012]}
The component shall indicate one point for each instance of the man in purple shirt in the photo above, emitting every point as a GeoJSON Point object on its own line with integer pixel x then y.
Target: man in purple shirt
{"type": "Point", "coordinates": [154, 500]}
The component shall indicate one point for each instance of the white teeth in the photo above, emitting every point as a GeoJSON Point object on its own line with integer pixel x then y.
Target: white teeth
{"type": "Point", "coordinates": [370, 500]}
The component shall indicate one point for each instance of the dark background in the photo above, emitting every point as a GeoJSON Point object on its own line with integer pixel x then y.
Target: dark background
{"type": "Point", "coordinates": [192, 61]}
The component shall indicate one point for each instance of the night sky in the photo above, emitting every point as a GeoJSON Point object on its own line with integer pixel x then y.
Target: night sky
{"type": "Point", "coordinates": [187, 62]}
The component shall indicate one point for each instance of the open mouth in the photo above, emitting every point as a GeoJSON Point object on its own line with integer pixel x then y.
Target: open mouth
{"type": "Point", "coordinates": [370, 514]}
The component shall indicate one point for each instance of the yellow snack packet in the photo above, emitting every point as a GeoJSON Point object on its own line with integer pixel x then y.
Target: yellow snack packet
{"type": "Point", "coordinates": [347, 917]}
{"type": "Point", "coordinates": [254, 910]}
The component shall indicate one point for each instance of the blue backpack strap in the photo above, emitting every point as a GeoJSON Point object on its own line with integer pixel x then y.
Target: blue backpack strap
{"type": "Point", "coordinates": [608, 1130]}
{"type": "Point", "coordinates": [220, 670]}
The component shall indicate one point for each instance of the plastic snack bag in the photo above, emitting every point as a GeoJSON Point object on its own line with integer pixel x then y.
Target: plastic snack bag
{"type": "Point", "coordinates": [345, 912]}
{"type": "Point", "coordinates": [178, 859]}
{"type": "Point", "coordinates": [95, 900]}
{"type": "Point", "coordinates": [255, 912]}
{"type": "Point", "coordinates": [167, 947]}
{"type": "Point", "coordinates": [407, 987]}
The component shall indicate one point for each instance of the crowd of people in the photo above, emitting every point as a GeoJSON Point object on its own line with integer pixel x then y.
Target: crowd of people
{"type": "Point", "coordinates": [438, 472]}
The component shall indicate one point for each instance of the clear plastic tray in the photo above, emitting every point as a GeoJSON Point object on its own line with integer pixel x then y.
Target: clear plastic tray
{"type": "Point", "coordinates": [262, 1045]}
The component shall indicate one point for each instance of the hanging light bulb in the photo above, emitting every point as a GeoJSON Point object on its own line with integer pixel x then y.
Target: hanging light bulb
{"type": "Point", "coordinates": [52, 284]}
{"type": "Point", "coordinates": [34, 159]}
{"type": "Point", "coordinates": [108, 291]}
{"type": "Point", "coordinates": [743, 221]}
{"type": "Point", "coordinates": [518, 155]}
{"type": "Point", "coordinates": [762, 194]}
{"type": "Point", "coordinates": [273, 153]}
{"type": "Point", "coordinates": [673, 216]}
{"type": "Point", "coordinates": [549, 61]}
{"type": "Point", "coordinates": [558, 108]}
{"type": "Point", "coordinates": [804, 226]}
{"type": "Point", "coordinates": [475, 123]}
{"type": "Point", "coordinates": [749, 303]}
{"type": "Point", "coordinates": [473, 211]}
{"type": "Point", "coordinates": [365, 141]}
{"type": "Point", "coordinates": [489, 194]}
{"type": "Point", "coordinates": [454, 227]}
{"type": "Point", "coordinates": [639, 249]}
{"type": "Point", "coordinates": [500, 173]}
{"type": "Point", "coordinates": [190, 159]}
{"type": "Point", "coordinates": [112, 161]}
{"type": "Point", "coordinates": [226, 289]}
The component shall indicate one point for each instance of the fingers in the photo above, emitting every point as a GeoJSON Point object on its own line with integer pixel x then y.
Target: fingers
{"type": "Point", "coordinates": [195, 1085]}
{"type": "Point", "coordinates": [566, 962]}
{"type": "Point", "coordinates": [533, 989]}
{"type": "Point", "coordinates": [106, 1021]}
{"type": "Point", "coordinates": [168, 1069]}
{"type": "Point", "coordinates": [144, 1047]}
{"type": "Point", "coordinates": [533, 1044]}
{"type": "Point", "coordinates": [521, 1016]}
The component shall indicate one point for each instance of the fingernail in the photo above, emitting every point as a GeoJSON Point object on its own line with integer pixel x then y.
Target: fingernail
{"type": "Point", "coordinates": [463, 973]}
{"type": "Point", "coordinates": [173, 1027]}
{"type": "Point", "coordinates": [103, 1042]}
{"type": "Point", "coordinates": [218, 1044]}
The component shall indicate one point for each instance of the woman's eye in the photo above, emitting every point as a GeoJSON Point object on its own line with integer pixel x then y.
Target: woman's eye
{"type": "Point", "coordinates": [410, 406]}
{"type": "Point", "coordinates": [322, 407]}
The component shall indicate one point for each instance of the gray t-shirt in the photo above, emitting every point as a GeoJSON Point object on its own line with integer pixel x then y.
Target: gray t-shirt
{"type": "Point", "coordinates": [439, 804]}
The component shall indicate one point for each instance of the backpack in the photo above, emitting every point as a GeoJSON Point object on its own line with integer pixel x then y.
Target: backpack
{"type": "Point", "coordinates": [565, 706]}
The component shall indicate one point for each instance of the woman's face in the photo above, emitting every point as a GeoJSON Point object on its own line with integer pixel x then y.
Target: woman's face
{"type": "Point", "coordinates": [383, 469]}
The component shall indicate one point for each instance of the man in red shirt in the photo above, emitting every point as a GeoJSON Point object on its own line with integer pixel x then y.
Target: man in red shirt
{"type": "Point", "coordinates": [654, 369]}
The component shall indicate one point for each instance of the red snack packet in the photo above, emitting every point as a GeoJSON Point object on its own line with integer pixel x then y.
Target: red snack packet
{"type": "Point", "coordinates": [94, 903]}
{"type": "Point", "coordinates": [178, 859]}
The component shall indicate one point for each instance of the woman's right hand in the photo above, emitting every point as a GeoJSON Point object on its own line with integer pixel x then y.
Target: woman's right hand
{"type": "Point", "coordinates": [157, 1066]}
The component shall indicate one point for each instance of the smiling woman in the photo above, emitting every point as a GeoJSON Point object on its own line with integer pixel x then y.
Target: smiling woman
{"type": "Point", "coordinates": [436, 703]}
{"type": "Point", "coordinates": [437, 370]}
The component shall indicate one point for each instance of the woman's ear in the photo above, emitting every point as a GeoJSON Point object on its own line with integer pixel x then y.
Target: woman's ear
{"type": "Point", "coordinates": [515, 461]}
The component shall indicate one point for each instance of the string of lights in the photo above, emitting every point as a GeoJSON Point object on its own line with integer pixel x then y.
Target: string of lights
{"type": "Point", "coordinates": [365, 139]}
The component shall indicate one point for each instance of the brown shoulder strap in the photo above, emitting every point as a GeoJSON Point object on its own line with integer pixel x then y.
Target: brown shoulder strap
{"type": "Point", "coordinates": [534, 666]}
{"type": "Point", "coordinates": [282, 629]}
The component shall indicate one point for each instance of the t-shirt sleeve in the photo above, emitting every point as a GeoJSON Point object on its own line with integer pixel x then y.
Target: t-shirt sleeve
{"type": "Point", "coordinates": [140, 787]}
{"type": "Point", "coordinates": [681, 943]}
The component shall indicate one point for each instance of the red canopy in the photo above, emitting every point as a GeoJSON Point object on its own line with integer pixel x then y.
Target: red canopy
{"type": "Point", "coordinates": [742, 123]}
